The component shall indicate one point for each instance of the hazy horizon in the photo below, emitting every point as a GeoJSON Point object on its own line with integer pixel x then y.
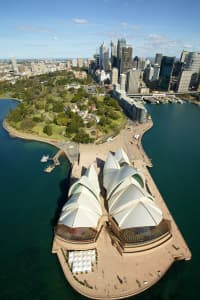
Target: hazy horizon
{"type": "Point", "coordinates": [76, 29]}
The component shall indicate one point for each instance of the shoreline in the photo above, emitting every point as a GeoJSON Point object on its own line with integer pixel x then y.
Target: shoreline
{"type": "Point", "coordinates": [14, 133]}
{"type": "Point", "coordinates": [10, 98]}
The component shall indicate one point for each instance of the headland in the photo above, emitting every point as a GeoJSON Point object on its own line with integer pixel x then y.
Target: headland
{"type": "Point", "coordinates": [121, 269]}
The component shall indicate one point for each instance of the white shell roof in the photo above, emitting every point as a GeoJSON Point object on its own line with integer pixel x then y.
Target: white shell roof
{"type": "Point", "coordinates": [128, 200]}
{"type": "Point", "coordinates": [85, 199]}
{"type": "Point", "coordinates": [119, 176]}
{"type": "Point", "coordinates": [142, 213]}
{"type": "Point", "coordinates": [77, 216]}
{"type": "Point", "coordinates": [89, 181]}
{"type": "Point", "coordinates": [83, 208]}
{"type": "Point", "coordinates": [121, 156]}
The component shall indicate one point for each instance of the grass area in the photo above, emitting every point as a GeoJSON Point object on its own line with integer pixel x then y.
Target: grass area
{"type": "Point", "coordinates": [49, 110]}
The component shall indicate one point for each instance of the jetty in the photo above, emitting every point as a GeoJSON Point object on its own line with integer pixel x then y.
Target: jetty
{"type": "Point", "coordinates": [55, 160]}
{"type": "Point", "coordinates": [121, 271]}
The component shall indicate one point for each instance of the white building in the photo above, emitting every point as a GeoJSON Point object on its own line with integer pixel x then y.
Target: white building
{"type": "Point", "coordinates": [114, 76]}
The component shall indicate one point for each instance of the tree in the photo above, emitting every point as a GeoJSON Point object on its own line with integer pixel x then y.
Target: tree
{"type": "Point", "coordinates": [58, 107]}
{"type": "Point", "coordinates": [27, 124]}
{"type": "Point", "coordinates": [82, 137]}
{"type": "Point", "coordinates": [48, 130]}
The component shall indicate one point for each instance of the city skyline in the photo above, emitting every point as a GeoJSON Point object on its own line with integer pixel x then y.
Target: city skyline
{"type": "Point", "coordinates": [46, 30]}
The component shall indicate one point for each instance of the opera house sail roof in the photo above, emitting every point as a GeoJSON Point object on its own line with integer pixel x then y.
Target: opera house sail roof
{"type": "Point", "coordinates": [128, 201]}
{"type": "Point", "coordinates": [83, 207]}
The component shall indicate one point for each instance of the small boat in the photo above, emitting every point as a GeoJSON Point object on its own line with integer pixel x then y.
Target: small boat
{"type": "Point", "coordinates": [44, 158]}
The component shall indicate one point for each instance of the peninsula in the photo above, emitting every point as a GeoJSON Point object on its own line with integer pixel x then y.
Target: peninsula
{"type": "Point", "coordinates": [108, 246]}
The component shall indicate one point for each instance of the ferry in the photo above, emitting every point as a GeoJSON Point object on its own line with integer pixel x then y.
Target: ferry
{"type": "Point", "coordinates": [44, 158]}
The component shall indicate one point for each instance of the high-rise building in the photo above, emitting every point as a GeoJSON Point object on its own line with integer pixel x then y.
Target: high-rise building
{"type": "Point", "coordinates": [183, 56]}
{"type": "Point", "coordinates": [156, 72]}
{"type": "Point", "coordinates": [120, 44]}
{"type": "Point", "coordinates": [158, 58]}
{"type": "Point", "coordinates": [126, 62]}
{"type": "Point", "coordinates": [104, 57]}
{"type": "Point", "coordinates": [113, 54]}
{"type": "Point", "coordinates": [122, 82]}
{"type": "Point", "coordinates": [114, 76]}
{"type": "Point", "coordinates": [166, 70]}
{"type": "Point", "coordinates": [148, 73]}
{"type": "Point", "coordinates": [133, 81]}
{"type": "Point", "coordinates": [184, 81]}
{"type": "Point", "coordinates": [14, 65]}
{"type": "Point", "coordinates": [97, 61]}
{"type": "Point", "coordinates": [136, 61]}
{"type": "Point", "coordinates": [192, 63]}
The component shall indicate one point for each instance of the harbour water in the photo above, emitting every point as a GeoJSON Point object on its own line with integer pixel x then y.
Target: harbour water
{"type": "Point", "coordinates": [30, 199]}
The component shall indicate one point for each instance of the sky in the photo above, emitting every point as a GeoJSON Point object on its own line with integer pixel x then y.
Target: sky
{"type": "Point", "coordinates": [76, 28]}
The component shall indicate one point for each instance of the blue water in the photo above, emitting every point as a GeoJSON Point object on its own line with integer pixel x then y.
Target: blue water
{"type": "Point", "coordinates": [30, 198]}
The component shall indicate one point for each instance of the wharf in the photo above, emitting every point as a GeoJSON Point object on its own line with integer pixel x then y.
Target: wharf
{"type": "Point", "coordinates": [55, 160]}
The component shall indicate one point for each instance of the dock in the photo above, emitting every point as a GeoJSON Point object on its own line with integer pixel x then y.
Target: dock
{"type": "Point", "coordinates": [55, 160]}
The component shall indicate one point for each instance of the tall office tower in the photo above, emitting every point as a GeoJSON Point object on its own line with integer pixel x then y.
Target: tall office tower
{"type": "Point", "coordinates": [183, 56]}
{"type": "Point", "coordinates": [120, 44]}
{"type": "Point", "coordinates": [184, 81]}
{"type": "Point", "coordinates": [106, 61]}
{"type": "Point", "coordinates": [192, 63]}
{"type": "Point", "coordinates": [79, 62]}
{"type": "Point", "coordinates": [141, 63]}
{"type": "Point", "coordinates": [113, 54]}
{"type": "Point", "coordinates": [136, 61]}
{"type": "Point", "coordinates": [156, 72]}
{"type": "Point", "coordinates": [158, 58]}
{"type": "Point", "coordinates": [126, 62]}
{"type": "Point", "coordinates": [97, 61]}
{"type": "Point", "coordinates": [122, 82]}
{"type": "Point", "coordinates": [104, 57]}
{"type": "Point", "coordinates": [133, 81]}
{"type": "Point", "coordinates": [114, 76]}
{"type": "Point", "coordinates": [14, 65]}
{"type": "Point", "coordinates": [166, 70]}
{"type": "Point", "coordinates": [148, 73]}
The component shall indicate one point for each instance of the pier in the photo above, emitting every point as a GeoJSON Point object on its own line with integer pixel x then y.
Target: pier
{"type": "Point", "coordinates": [55, 160]}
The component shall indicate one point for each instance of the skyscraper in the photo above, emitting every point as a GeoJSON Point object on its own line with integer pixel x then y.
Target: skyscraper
{"type": "Point", "coordinates": [126, 62]}
{"type": "Point", "coordinates": [114, 76]}
{"type": "Point", "coordinates": [14, 65]}
{"type": "Point", "coordinates": [122, 82]}
{"type": "Point", "coordinates": [192, 63]}
{"type": "Point", "coordinates": [184, 81]}
{"type": "Point", "coordinates": [120, 44]}
{"type": "Point", "coordinates": [104, 58]}
{"type": "Point", "coordinates": [113, 54]}
{"type": "Point", "coordinates": [158, 58]}
{"type": "Point", "coordinates": [166, 70]}
{"type": "Point", "coordinates": [133, 81]}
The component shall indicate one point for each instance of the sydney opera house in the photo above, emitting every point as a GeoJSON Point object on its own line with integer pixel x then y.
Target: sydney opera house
{"type": "Point", "coordinates": [113, 239]}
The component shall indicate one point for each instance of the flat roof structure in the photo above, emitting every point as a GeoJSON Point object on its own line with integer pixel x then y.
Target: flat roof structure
{"type": "Point", "coordinates": [106, 260]}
